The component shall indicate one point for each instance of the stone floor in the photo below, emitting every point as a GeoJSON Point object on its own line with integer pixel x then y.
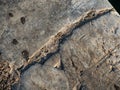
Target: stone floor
{"type": "Point", "coordinates": [42, 48]}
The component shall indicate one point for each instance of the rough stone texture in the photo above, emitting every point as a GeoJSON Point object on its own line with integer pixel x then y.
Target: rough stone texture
{"type": "Point", "coordinates": [41, 17]}
{"type": "Point", "coordinates": [89, 57]}
{"type": "Point", "coordinates": [43, 78]}
{"type": "Point", "coordinates": [7, 76]}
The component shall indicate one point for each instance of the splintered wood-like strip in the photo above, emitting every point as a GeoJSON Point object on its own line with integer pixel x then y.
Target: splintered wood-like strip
{"type": "Point", "coordinates": [52, 44]}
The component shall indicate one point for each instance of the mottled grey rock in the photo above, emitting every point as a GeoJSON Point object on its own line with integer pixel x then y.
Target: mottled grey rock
{"type": "Point", "coordinates": [88, 58]}
{"type": "Point", "coordinates": [43, 78]}
{"type": "Point", "coordinates": [42, 19]}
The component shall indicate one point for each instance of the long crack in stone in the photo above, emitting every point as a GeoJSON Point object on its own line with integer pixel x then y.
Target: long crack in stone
{"type": "Point", "coordinates": [53, 44]}
{"type": "Point", "coordinates": [50, 47]}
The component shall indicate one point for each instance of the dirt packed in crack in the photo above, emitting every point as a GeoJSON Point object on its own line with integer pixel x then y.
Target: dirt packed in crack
{"type": "Point", "coordinates": [7, 76]}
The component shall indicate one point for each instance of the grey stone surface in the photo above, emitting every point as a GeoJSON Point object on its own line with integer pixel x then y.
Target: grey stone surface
{"type": "Point", "coordinates": [42, 19]}
{"type": "Point", "coordinates": [88, 58]}
{"type": "Point", "coordinates": [43, 78]}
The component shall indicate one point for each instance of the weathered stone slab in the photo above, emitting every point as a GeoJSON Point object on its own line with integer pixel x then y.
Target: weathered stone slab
{"type": "Point", "coordinates": [88, 57]}
{"type": "Point", "coordinates": [43, 78]}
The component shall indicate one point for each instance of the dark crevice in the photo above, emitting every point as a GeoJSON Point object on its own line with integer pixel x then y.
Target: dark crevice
{"type": "Point", "coordinates": [116, 87]}
{"type": "Point", "coordinates": [62, 65]}
{"type": "Point", "coordinates": [10, 14]}
{"type": "Point", "coordinates": [81, 73]}
{"type": "Point", "coordinates": [115, 4]}
{"type": "Point", "coordinates": [113, 69]}
{"type": "Point", "coordinates": [0, 53]}
{"type": "Point", "coordinates": [14, 41]}
{"type": "Point", "coordinates": [73, 64]}
{"type": "Point", "coordinates": [22, 19]}
{"type": "Point", "coordinates": [83, 87]}
{"type": "Point", "coordinates": [22, 70]}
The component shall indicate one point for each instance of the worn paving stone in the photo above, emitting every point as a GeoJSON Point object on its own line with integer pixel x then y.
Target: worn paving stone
{"type": "Point", "coordinates": [88, 59]}
{"type": "Point", "coordinates": [43, 78]}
